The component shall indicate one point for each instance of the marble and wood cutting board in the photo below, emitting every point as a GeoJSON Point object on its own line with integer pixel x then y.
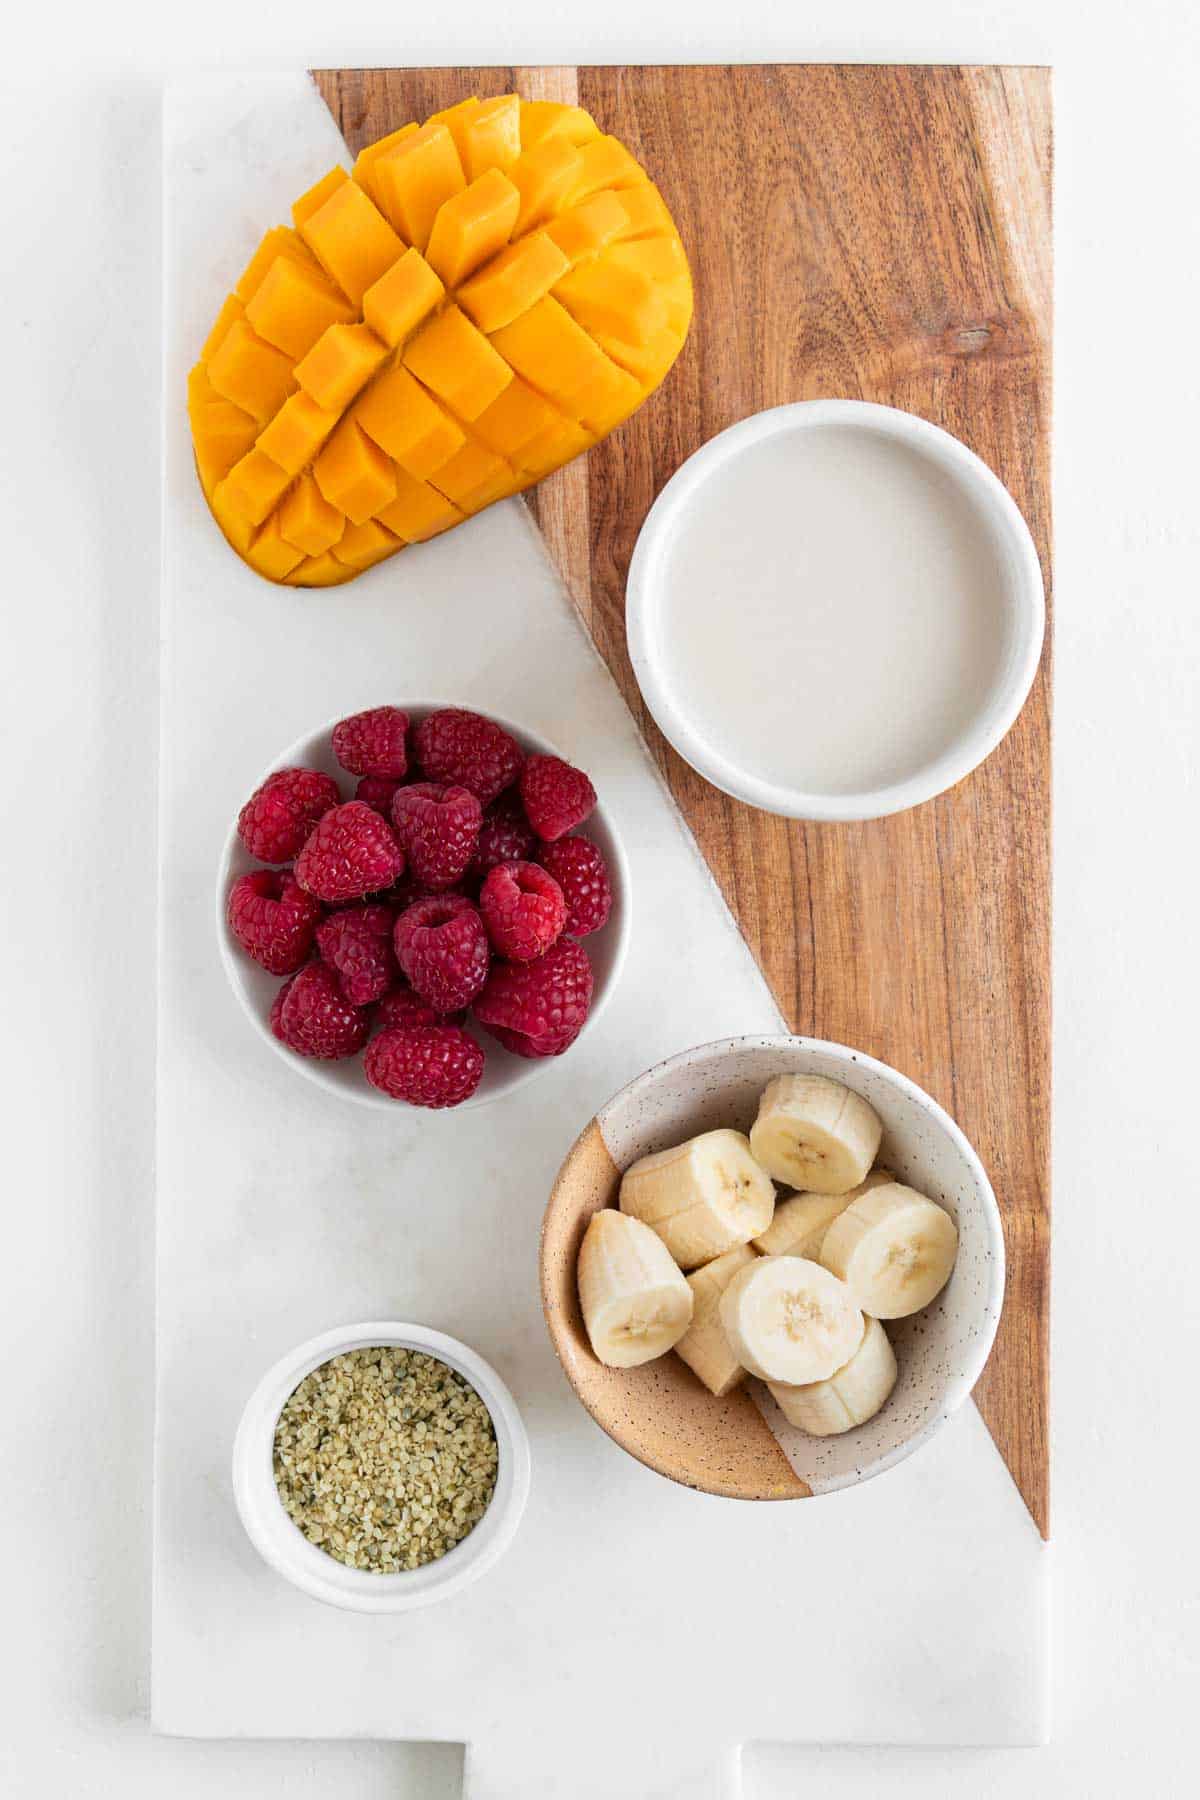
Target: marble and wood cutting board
{"type": "Point", "coordinates": [905, 214]}
{"type": "Point", "coordinates": [871, 233]}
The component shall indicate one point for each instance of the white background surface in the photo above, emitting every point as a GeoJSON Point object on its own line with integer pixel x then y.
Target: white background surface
{"type": "Point", "coordinates": [79, 201]}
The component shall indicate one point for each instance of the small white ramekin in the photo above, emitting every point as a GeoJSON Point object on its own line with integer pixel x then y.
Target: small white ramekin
{"type": "Point", "coordinates": [283, 1545]}
{"type": "Point", "coordinates": [503, 1072]}
{"type": "Point", "coordinates": [1022, 584]}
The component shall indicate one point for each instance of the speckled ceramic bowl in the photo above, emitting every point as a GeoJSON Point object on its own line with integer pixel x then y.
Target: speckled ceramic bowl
{"type": "Point", "coordinates": [742, 1447]}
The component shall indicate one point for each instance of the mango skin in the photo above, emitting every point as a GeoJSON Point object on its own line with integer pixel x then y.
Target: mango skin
{"type": "Point", "coordinates": [483, 298]}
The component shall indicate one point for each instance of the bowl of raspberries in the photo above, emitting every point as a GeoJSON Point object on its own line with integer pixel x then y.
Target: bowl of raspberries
{"type": "Point", "coordinates": [421, 905]}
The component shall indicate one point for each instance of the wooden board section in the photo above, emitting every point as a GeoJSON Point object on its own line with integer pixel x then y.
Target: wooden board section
{"type": "Point", "coordinates": [878, 234]}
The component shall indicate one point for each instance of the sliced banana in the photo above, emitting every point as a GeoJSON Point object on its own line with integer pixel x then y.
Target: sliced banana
{"type": "Point", "coordinates": [704, 1346]}
{"type": "Point", "coordinates": [702, 1198]}
{"type": "Point", "coordinates": [815, 1134]}
{"type": "Point", "coordinates": [636, 1304]}
{"type": "Point", "coordinates": [893, 1248]}
{"type": "Point", "coordinates": [852, 1394]}
{"type": "Point", "coordinates": [801, 1222]}
{"type": "Point", "coordinates": [790, 1320]}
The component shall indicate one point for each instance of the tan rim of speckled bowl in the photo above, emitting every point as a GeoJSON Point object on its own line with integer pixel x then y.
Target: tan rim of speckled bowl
{"type": "Point", "coordinates": [503, 1072]}
{"type": "Point", "coordinates": [741, 1447]}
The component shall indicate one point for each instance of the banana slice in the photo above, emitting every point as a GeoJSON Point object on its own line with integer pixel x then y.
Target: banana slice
{"type": "Point", "coordinates": [790, 1320]}
{"type": "Point", "coordinates": [636, 1304]}
{"type": "Point", "coordinates": [851, 1396]}
{"type": "Point", "coordinates": [893, 1248]}
{"type": "Point", "coordinates": [702, 1198]}
{"type": "Point", "coordinates": [815, 1134]}
{"type": "Point", "coordinates": [800, 1223]}
{"type": "Point", "coordinates": [704, 1346]}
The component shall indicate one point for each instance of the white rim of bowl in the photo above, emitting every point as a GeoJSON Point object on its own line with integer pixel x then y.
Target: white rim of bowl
{"type": "Point", "coordinates": [979, 739]}
{"type": "Point", "coordinates": [284, 1547]}
{"type": "Point", "coordinates": [961, 1385]}
{"type": "Point", "coordinates": [522, 1069]}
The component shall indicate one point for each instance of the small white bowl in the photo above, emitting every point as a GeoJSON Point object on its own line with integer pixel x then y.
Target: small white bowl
{"type": "Point", "coordinates": [1002, 548]}
{"type": "Point", "coordinates": [741, 1446]}
{"type": "Point", "coordinates": [503, 1072]}
{"type": "Point", "coordinates": [284, 1546]}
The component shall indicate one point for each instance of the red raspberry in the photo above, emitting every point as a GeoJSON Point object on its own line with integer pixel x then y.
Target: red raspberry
{"type": "Point", "coordinates": [538, 1008]}
{"type": "Point", "coordinates": [273, 919]}
{"type": "Point", "coordinates": [505, 836]}
{"type": "Point", "coordinates": [556, 797]}
{"type": "Point", "coordinates": [401, 1009]}
{"type": "Point", "coordinates": [275, 1019]}
{"type": "Point", "coordinates": [373, 743]}
{"type": "Point", "coordinates": [351, 852]}
{"type": "Point", "coordinates": [377, 792]}
{"type": "Point", "coordinates": [427, 1065]}
{"type": "Point", "coordinates": [279, 815]}
{"type": "Point", "coordinates": [313, 1018]}
{"type": "Point", "coordinates": [582, 874]}
{"type": "Point", "coordinates": [358, 944]}
{"type": "Point", "coordinates": [464, 749]}
{"type": "Point", "coordinates": [523, 909]}
{"type": "Point", "coordinates": [443, 950]}
{"type": "Point", "coordinates": [437, 828]}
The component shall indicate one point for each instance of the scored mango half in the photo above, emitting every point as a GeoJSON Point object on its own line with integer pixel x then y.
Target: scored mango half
{"type": "Point", "coordinates": [485, 296]}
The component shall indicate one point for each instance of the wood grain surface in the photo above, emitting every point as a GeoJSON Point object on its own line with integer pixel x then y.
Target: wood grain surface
{"type": "Point", "coordinates": [875, 233]}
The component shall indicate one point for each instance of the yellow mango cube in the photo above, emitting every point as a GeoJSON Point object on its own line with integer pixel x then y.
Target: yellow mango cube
{"type": "Point", "coordinates": [515, 419]}
{"type": "Point", "coordinates": [251, 373]}
{"type": "Point", "coordinates": [660, 261]}
{"type": "Point", "coordinates": [474, 477]}
{"type": "Point", "coordinates": [556, 355]}
{"type": "Point", "coordinates": [399, 300]}
{"type": "Point", "coordinates": [234, 523]}
{"type": "Point", "coordinates": [586, 229]}
{"type": "Point", "coordinates": [221, 435]}
{"type": "Point", "coordinates": [254, 485]}
{"type": "Point", "coordinates": [314, 198]}
{"type": "Point", "coordinates": [407, 422]}
{"type": "Point", "coordinates": [418, 512]}
{"type": "Point", "coordinates": [415, 180]}
{"type": "Point", "coordinates": [293, 305]}
{"type": "Point", "coordinates": [340, 364]}
{"type": "Point", "coordinates": [455, 361]}
{"type": "Point", "coordinates": [606, 163]}
{"type": "Point", "coordinates": [231, 310]}
{"type": "Point", "coordinates": [307, 520]}
{"type": "Point", "coordinates": [513, 282]}
{"type": "Point", "coordinates": [362, 545]}
{"type": "Point", "coordinates": [606, 297]}
{"type": "Point", "coordinates": [297, 432]}
{"type": "Point", "coordinates": [352, 240]}
{"type": "Point", "coordinates": [472, 227]}
{"type": "Point", "coordinates": [278, 242]}
{"type": "Point", "coordinates": [647, 362]}
{"type": "Point", "coordinates": [548, 119]}
{"type": "Point", "coordinates": [353, 473]}
{"type": "Point", "coordinates": [364, 167]}
{"type": "Point", "coordinates": [320, 571]}
{"type": "Point", "coordinates": [648, 214]}
{"type": "Point", "coordinates": [271, 554]}
{"type": "Point", "coordinates": [456, 119]}
{"type": "Point", "coordinates": [553, 447]}
{"type": "Point", "coordinates": [543, 175]}
{"type": "Point", "coordinates": [492, 136]}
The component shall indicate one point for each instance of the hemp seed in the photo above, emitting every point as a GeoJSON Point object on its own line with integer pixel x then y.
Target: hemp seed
{"type": "Point", "coordinates": [385, 1458]}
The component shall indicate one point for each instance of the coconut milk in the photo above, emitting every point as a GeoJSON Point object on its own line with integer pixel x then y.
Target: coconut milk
{"type": "Point", "coordinates": [833, 610]}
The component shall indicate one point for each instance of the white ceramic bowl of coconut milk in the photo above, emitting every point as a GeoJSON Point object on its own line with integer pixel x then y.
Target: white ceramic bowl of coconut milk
{"type": "Point", "coordinates": [835, 610]}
